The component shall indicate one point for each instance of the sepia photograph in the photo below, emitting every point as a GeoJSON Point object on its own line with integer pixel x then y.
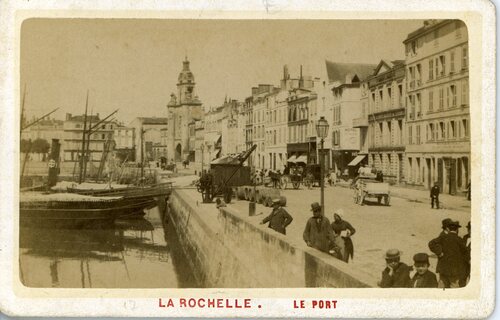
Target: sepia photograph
{"type": "Point", "coordinates": [219, 165]}
{"type": "Point", "coordinates": [304, 156]}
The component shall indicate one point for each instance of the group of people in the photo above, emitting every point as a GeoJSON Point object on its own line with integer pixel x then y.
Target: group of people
{"type": "Point", "coordinates": [333, 238]}
{"type": "Point", "coordinates": [453, 266]}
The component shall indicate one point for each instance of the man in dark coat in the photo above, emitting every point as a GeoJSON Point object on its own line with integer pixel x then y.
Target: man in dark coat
{"type": "Point", "coordinates": [396, 274]}
{"type": "Point", "coordinates": [318, 233]}
{"type": "Point", "coordinates": [466, 238]}
{"type": "Point", "coordinates": [435, 196]}
{"type": "Point", "coordinates": [423, 278]}
{"type": "Point", "coordinates": [279, 219]}
{"type": "Point", "coordinates": [343, 231]}
{"type": "Point", "coordinates": [452, 256]}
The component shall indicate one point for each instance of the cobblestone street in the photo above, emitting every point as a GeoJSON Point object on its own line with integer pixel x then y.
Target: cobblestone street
{"type": "Point", "coordinates": [406, 224]}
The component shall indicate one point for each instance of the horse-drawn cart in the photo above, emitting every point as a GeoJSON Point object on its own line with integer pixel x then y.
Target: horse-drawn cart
{"type": "Point", "coordinates": [371, 188]}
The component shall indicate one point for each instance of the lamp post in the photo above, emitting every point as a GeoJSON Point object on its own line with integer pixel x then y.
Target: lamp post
{"type": "Point", "coordinates": [322, 132]}
{"type": "Point", "coordinates": [202, 148]}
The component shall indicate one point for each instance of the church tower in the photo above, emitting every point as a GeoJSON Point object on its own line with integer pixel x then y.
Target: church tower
{"type": "Point", "coordinates": [183, 109]}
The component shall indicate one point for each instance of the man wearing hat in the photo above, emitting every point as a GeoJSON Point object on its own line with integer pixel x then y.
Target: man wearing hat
{"type": "Point", "coordinates": [318, 233]}
{"type": "Point", "coordinates": [423, 278]}
{"type": "Point", "coordinates": [279, 219]}
{"type": "Point", "coordinates": [452, 256]}
{"type": "Point", "coordinates": [396, 274]}
{"type": "Point", "coordinates": [467, 267]}
{"type": "Point", "coordinates": [435, 196]}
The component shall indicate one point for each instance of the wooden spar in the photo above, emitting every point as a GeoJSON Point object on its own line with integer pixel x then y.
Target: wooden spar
{"type": "Point", "coordinates": [83, 139]}
{"type": "Point", "coordinates": [39, 119]}
{"type": "Point", "coordinates": [97, 124]}
{"type": "Point", "coordinates": [22, 108]}
{"type": "Point", "coordinates": [87, 151]}
{"type": "Point", "coordinates": [26, 157]}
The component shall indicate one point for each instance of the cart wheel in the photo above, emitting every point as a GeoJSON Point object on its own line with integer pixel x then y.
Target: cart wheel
{"type": "Point", "coordinates": [387, 200]}
{"type": "Point", "coordinates": [296, 185]}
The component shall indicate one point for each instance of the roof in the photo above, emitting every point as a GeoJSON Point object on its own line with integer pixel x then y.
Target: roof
{"type": "Point", "coordinates": [81, 118]}
{"type": "Point", "coordinates": [388, 64]}
{"type": "Point", "coordinates": [427, 27]}
{"type": "Point", "coordinates": [153, 120]}
{"type": "Point", "coordinates": [338, 71]}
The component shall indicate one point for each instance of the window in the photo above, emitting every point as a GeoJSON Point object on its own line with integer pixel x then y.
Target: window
{"type": "Point", "coordinates": [442, 60]}
{"type": "Point", "coordinates": [431, 100]}
{"type": "Point", "coordinates": [442, 130]}
{"type": "Point", "coordinates": [453, 91]}
{"type": "Point", "coordinates": [103, 136]}
{"type": "Point", "coordinates": [441, 98]}
{"type": "Point", "coordinates": [436, 64]}
{"type": "Point", "coordinates": [465, 62]}
{"type": "Point", "coordinates": [430, 132]}
{"type": "Point", "coordinates": [418, 134]}
{"type": "Point", "coordinates": [465, 93]}
{"type": "Point", "coordinates": [451, 127]}
{"type": "Point", "coordinates": [419, 105]}
{"type": "Point", "coordinates": [410, 135]}
{"type": "Point", "coordinates": [431, 69]}
{"type": "Point", "coordinates": [465, 127]}
{"type": "Point", "coordinates": [452, 61]}
{"type": "Point", "coordinates": [389, 97]}
{"type": "Point", "coordinates": [400, 97]}
{"type": "Point", "coordinates": [78, 125]}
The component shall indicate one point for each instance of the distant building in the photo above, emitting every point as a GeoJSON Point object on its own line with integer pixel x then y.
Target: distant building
{"type": "Point", "coordinates": [437, 106]}
{"type": "Point", "coordinates": [183, 108]}
{"type": "Point", "coordinates": [151, 137]}
{"type": "Point", "coordinates": [345, 79]}
{"type": "Point", "coordinates": [124, 143]}
{"type": "Point", "coordinates": [386, 91]}
{"type": "Point", "coordinates": [46, 129]}
{"type": "Point", "coordinates": [73, 134]}
{"type": "Point", "coordinates": [259, 110]}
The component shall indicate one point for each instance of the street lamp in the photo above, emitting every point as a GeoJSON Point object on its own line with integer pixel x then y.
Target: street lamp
{"type": "Point", "coordinates": [202, 148]}
{"type": "Point", "coordinates": [322, 132]}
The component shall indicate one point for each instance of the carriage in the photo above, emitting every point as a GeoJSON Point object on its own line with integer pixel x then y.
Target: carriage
{"type": "Point", "coordinates": [368, 187]}
{"type": "Point", "coordinates": [308, 176]}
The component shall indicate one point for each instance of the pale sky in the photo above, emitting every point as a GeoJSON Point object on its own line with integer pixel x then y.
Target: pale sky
{"type": "Point", "coordinates": [133, 65]}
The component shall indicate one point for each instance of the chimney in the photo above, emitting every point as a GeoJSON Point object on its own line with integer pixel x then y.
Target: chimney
{"type": "Point", "coordinates": [68, 116]}
{"type": "Point", "coordinates": [97, 115]}
{"type": "Point", "coordinates": [301, 80]}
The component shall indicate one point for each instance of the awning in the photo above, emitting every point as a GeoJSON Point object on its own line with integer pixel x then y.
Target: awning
{"type": "Point", "coordinates": [292, 159]}
{"type": "Point", "coordinates": [301, 159]}
{"type": "Point", "coordinates": [212, 138]}
{"type": "Point", "coordinates": [356, 161]}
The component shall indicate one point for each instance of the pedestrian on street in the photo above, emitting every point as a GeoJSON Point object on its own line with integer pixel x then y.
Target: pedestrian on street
{"type": "Point", "coordinates": [435, 196]}
{"type": "Point", "coordinates": [318, 233]}
{"type": "Point", "coordinates": [396, 274]}
{"type": "Point", "coordinates": [452, 256]}
{"type": "Point", "coordinates": [279, 218]}
{"type": "Point", "coordinates": [343, 231]}
{"type": "Point", "coordinates": [467, 266]}
{"type": "Point", "coordinates": [423, 278]}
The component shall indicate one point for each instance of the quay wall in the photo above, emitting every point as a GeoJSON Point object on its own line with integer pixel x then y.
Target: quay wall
{"type": "Point", "coordinates": [226, 250]}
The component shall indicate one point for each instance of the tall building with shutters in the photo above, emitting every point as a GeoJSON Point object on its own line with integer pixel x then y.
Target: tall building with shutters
{"type": "Point", "coordinates": [437, 106]}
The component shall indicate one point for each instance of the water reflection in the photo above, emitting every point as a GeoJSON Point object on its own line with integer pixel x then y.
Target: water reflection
{"type": "Point", "coordinates": [137, 253]}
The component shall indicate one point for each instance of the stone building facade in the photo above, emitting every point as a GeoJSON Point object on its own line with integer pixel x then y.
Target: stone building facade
{"type": "Point", "coordinates": [183, 109]}
{"type": "Point", "coordinates": [386, 113]}
{"type": "Point", "coordinates": [437, 106]}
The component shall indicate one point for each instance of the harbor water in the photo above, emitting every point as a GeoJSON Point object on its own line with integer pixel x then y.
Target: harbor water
{"type": "Point", "coordinates": [134, 253]}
